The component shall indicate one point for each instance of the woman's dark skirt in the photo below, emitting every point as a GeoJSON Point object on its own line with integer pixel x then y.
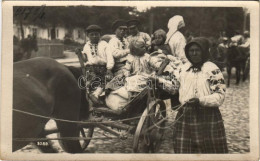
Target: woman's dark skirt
{"type": "Point", "coordinates": [199, 131]}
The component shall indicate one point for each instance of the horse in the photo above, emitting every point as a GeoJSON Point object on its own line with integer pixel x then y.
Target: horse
{"type": "Point", "coordinates": [44, 87]}
{"type": "Point", "coordinates": [23, 49]}
{"type": "Point", "coordinates": [235, 58]}
{"type": "Point", "coordinates": [231, 57]}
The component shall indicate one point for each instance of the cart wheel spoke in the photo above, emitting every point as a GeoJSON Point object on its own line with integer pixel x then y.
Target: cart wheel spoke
{"type": "Point", "coordinates": [150, 129]}
{"type": "Point", "coordinates": [83, 131]}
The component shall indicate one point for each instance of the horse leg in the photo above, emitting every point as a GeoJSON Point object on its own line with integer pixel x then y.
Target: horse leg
{"type": "Point", "coordinates": [67, 106]}
{"type": "Point", "coordinates": [25, 126]}
{"type": "Point", "coordinates": [238, 74]}
{"type": "Point", "coordinates": [69, 130]}
{"type": "Point", "coordinates": [247, 66]}
{"type": "Point", "coordinates": [229, 75]}
{"type": "Point", "coordinates": [21, 130]}
{"type": "Point", "coordinates": [243, 68]}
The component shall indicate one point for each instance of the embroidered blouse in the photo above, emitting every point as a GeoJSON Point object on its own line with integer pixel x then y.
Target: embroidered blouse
{"type": "Point", "coordinates": [137, 65]}
{"type": "Point", "coordinates": [206, 84]}
{"type": "Point", "coordinates": [119, 49]}
{"type": "Point", "coordinates": [97, 54]}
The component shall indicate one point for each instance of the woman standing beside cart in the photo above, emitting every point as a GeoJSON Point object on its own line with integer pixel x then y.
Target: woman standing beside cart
{"type": "Point", "coordinates": [200, 128]}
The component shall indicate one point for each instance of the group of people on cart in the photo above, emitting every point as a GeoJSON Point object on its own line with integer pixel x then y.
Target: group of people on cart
{"type": "Point", "coordinates": [120, 66]}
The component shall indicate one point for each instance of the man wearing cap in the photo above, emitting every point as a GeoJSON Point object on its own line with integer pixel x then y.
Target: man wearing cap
{"type": "Point", "coordinates": [246, 41]}
{"type": "Point", "coordinates": [133, 28]}
{"type": "Point", "coordinates": [236, 39]}
{"type": "Point", "coordinates": [222, 49]}
{"type": "Point", "coordinates": [95, 54]}
{"type": "Point", "coordinates": [221, 36]}
{"type": "Point", "coordinates": [119, 46]}
{"type": "Point", "coordinates": [175, 38]}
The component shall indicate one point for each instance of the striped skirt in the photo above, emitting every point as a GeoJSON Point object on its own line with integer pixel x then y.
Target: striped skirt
{"type": "Point", "coordinates": [199, 131]}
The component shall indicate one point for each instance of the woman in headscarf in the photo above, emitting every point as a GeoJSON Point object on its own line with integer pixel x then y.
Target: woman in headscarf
{"type": "Point", "coordinates": [175, 38]}
{"type": "Point", "coordinates": [200, 127]}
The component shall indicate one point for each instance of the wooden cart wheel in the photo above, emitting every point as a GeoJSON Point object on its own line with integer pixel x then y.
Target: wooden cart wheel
{"type": "Point", "coordinates": [86, 133]}
{"type": "Point", "coordinates": [150, 129]}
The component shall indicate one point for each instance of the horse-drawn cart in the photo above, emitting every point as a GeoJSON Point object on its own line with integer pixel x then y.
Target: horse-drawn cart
{"type": "Point", "coordinates": [144, 117]}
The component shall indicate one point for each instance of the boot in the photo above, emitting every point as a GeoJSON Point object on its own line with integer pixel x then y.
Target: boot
{"type": "Point", "coordinates": [96, 101]}
{"type": "Point", "coordinates": [95, 97]}
{"type": "Point", "coordinates": [97, 92]}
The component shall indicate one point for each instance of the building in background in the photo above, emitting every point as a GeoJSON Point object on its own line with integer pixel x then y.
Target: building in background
{"type": "Point", "coordinates": [50, 33]}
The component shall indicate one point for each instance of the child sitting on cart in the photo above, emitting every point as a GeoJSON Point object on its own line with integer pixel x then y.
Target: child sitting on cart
{"type": "Point", "coordinates": [158, 42]}
{"type": "Point", "coordinates": [138, 70]}
{"type": "Point", "coordinates": [136, 73]}
{"type": "Point", "coordinates": [98, 62]}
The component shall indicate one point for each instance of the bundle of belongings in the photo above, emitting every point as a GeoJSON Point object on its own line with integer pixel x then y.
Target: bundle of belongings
{"type": "Point", "coordinates": [138, 71]}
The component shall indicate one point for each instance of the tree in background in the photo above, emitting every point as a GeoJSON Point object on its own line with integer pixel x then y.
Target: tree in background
{"type": "Point", "coordinates": [201, 21]}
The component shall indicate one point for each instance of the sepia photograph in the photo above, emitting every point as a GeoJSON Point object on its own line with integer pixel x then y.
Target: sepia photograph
{"type": "Point", "coordinates": [160, 79]}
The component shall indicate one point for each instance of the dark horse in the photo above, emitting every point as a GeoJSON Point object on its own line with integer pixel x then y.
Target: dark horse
{"type": "Point", "coordinates": [235, 58]}
{"type": "Point", "coordinates": [44, 87]}
{"type": "Point", "coordinates": [23, 48]}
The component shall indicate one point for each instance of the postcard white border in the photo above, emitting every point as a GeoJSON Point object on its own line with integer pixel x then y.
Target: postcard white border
{"type": "Point", "coordinates": [7, 68]}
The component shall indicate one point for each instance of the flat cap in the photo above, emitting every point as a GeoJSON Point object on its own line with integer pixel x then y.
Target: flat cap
{"type": "Point", "coordinates": [118, 23]}
{"type": "Point", "coordinates": [237, 31]}
{"type": "Point", "coordinates": [246, 33]}
{"type": "Point", "coordinates": [92, 28]}
{"type": "Point", "coordinates": [133, 22]}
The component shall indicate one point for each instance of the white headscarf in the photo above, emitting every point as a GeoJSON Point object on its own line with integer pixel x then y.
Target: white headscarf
{"type": "Point", "coordinates": [175, 23]}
